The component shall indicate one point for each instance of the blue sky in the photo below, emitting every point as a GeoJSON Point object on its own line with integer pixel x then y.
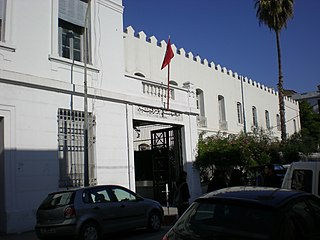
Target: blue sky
{"type": "Point", "coordinates": [227, 32]}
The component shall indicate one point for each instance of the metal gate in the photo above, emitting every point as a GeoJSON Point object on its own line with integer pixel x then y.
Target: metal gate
{"type": "Point", "coordinates": [167, 160]}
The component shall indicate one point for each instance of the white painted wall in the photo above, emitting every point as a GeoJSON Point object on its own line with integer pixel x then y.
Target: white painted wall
{"type": "Point", "coordinates": [145, 54]}
{"type": "Point", "coordinates": [35, 82]}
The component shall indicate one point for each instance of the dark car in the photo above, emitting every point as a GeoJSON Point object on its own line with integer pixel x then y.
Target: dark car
{"type": "Point", "coordinates": [90, 212]}
{"type": "Point", "coordinates": [250, 213]}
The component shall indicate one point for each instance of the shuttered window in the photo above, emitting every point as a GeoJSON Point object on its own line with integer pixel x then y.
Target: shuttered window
{"type": "Point", "coordinates": [74, 16]}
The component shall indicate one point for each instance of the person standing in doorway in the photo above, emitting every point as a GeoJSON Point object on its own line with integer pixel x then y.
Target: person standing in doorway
{"type": "Point", "coordinates": [182, 195]}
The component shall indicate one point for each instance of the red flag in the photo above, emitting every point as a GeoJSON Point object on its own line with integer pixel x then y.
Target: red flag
{"type": "Point", "coordinates": [169, 55]}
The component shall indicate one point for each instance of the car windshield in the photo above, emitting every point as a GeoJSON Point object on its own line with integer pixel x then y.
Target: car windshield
{"type": "Point", "coordinates": [57, 200]}
{"type": "Point", "coordinates": [207, 220]}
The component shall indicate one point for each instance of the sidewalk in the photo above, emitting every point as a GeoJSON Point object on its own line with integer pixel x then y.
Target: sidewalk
{"type": "Point", "coordinates": [20, 236]}
{"type": "Point", "coordinates": [170, 216]}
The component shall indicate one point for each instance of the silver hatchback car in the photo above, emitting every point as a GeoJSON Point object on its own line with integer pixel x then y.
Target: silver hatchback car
{"type": "Point", "coordinates": [90, 212]}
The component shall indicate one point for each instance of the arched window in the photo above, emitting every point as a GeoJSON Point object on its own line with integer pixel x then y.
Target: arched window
{"type": "Point", "coordinates": [144, 147]}
{"type": "Point", "coordinates": [239, 112]}
{"type": "Point", "coordinates": [174, 83]}
{"type": "Point", "coordinates": [278, 122]}
{"type": "Point", "coordinates": [200, 101]}
{"type": "Point", "coordinates": [222, 109]}
{"type": "Point", "coordinates": [139, 74]}
{"type": "Point", "coordinates": [267, 117]}
{"type": "Point", "coordinates": [254, 116]}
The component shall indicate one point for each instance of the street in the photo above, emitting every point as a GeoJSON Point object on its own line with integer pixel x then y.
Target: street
{"type": "Point", "coordinates": [141, 234]}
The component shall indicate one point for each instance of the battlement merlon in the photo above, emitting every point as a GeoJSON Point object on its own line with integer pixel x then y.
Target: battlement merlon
{"type": "Point", "coordinates": [130, 32]}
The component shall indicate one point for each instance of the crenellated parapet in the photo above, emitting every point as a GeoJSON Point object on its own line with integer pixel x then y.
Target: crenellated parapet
{"type": "Point", "coordinates": [130, 32]}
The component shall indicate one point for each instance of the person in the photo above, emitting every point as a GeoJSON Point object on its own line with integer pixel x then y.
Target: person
{"type": "Point", "coordinates": [271, 179]}
{"type": "Point", "coordinates": [217, 182]}
{"type": "Point", "coordinates": [181, 194]}
{"type": "Point", "coordinates": [236, 178]}
{"type": "Point", "coordinates": [262, 176]}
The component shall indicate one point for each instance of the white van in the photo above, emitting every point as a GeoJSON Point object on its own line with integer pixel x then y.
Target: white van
{"type": "Point", "coordinates": [303, 176]}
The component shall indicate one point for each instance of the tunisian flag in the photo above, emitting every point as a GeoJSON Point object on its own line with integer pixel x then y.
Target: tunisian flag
{"type": "Point", "coordinates": [166, 61]}
{"type": "Point", "coordinates": [169, 55]}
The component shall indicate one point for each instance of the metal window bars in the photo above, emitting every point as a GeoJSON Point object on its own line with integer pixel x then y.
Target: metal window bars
{"type": "Point", "coordinates": [71, 148]}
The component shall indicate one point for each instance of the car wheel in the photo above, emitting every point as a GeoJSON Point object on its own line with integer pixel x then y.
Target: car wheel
{"type": "Point", "coordinates": [89, 231]}
{"type": "Point", "coordinates": [154, 221]}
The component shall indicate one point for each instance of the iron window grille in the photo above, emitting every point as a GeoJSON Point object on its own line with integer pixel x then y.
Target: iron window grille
{"type": "Point", "coordinates": [71, 148]}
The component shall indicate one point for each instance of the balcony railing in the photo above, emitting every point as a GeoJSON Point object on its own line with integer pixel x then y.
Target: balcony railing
{"type": "Point", "coordinates": [157, 90]}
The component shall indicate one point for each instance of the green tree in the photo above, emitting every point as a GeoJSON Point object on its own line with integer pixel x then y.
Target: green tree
{"type": "Point", "coordinates": [307, 140]}
{"type": "Point", "coordinates": [310, 127]}
{"type": "Point", "coordinates": [242, 150]}
{"type": "Point", "coordinates": [275, 14]}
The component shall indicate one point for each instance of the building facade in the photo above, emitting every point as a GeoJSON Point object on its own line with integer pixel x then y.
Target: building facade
{"type": "Point", "coordinates": [134, 139]}
{"type": "Point", "coordinates": [313, 98]}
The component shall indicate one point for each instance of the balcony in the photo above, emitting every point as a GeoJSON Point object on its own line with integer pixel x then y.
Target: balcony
{"type": "Point", "coordinates": [154, 90]}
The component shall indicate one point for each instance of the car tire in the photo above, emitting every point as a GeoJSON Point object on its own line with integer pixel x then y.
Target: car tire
{"type": "Point", "coordinates": [154, 221]}
{"type": "Point", "coordinates": [89, 231]}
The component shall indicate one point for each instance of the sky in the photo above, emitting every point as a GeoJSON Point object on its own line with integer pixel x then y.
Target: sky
{"type": "Point", "coordinates": [228, 33]}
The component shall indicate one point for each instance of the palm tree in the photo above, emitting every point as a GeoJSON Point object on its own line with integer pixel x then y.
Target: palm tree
{"type": "Point", "coordinates": [275, 14]}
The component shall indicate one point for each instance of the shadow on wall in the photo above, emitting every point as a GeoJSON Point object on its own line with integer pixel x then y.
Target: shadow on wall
{"type": "Point", "coordinates": [27, 176]}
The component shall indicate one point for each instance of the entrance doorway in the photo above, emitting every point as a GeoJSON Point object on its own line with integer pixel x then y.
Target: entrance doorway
{"type": "Point", "coordinates": [158, 160]}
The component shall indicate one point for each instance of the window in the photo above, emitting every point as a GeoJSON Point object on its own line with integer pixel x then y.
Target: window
{"type": "Point", "coordinates": [2, 18]}
{"type": "Point", "coordinates": [72, 23]}
{"type": "Point", "coordinates": [200, 101]}
{"type": "Point", "coordinates": [222, 113]}
{"type": "Point", "coordinates": [123, 195]}
{"type": "Point", "coordinates": [202, 120]}
{"type": "Point", "coordinates": [294, 125]}
{"type": "Point", "coordinates": [267, 119]}
{"type": "Point", "coordinates": [254, 116]}
{"type": "Point", "coordinates": [278, 122]}
{"type": "Point", "coordinates": [174, 83]}
{"type": "Point", "coordinates": [222, 110]}
{"type": "Point", "coordinates": [234, 221]}
{"type": "Point", "coordinates": [305, 222]}
{"type": "Point", "coordinates": [139, 74]}
{"type": "Point", "coordinates": [239, 112]}
{"type": "Point", "coordinates": [302, 180]}
{"type": "Point", "coordinates": [71, 148]}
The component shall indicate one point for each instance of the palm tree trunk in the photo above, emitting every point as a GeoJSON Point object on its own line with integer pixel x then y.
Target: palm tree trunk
{"type": "Point", "coordinates": [281, 92]}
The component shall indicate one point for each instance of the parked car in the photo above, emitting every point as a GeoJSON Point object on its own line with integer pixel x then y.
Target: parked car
{"type": "Point", "coordinates": [250, 213]}
{"type": "Point", "coordinates": [303, 176]}
{"type": "Point", "coordinates": [90, 212]}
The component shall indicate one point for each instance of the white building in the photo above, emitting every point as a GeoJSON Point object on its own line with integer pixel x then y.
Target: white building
{"type": "Point", "coordinates": [42, 74]}
{"type": "Point", "coordinates": [313, 98]}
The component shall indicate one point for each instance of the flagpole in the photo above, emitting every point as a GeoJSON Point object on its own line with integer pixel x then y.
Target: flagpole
{"type": "Point", "coordinates": [166, 62]}
{"type": "Point", "coordinates": [168, 95]}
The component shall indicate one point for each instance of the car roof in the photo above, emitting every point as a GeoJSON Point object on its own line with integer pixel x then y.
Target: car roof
{"type": "Point", "coordinates": [273, 197]}
{"type": "Point", "coordinates": [88, 187]}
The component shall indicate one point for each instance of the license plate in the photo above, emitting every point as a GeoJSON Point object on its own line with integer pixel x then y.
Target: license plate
{"type": "Point", "coordinates": [47, 230]}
